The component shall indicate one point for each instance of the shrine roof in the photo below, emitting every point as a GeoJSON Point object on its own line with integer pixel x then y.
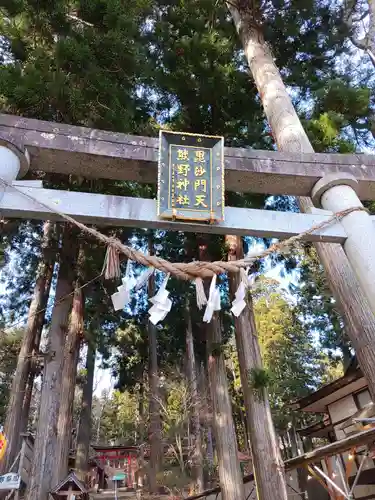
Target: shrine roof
{"type": "Point", "coordinates": [110, 448]}
{"type": "Point", "coordinates": [68, 481]}
{"type": "Point", "coordinates": [318, 401]}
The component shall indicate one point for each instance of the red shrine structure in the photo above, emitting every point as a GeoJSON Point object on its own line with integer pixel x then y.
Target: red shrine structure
{"type": "Point", "coordinates": [119, 462]}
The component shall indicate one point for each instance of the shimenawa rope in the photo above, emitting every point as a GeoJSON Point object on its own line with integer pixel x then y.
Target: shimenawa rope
{"type": "Point", "coordinates": [185, 271]}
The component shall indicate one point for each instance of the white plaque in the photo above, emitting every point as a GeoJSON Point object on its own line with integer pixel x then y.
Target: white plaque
{"type": "Point", "coordinates": [10, 481]}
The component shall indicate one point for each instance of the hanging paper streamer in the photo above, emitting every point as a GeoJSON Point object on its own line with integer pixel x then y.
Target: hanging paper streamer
{"type": "Point", "coordinates": [121, 298]}
{"type": "Point", "coordinates": [239, 303]}
{"type": "Point", "coordinates": [3, 443]}
{"type": "Point", "coordinates": [213, 303]}
{"type": "Point", "coordinates": [247, 282]}
{"type": "Point", "coordinates": [161, 304]}
{"type": "Point", "coordinates": [199, 291]}
{"type": "Point", "coordinates": [144, 277]}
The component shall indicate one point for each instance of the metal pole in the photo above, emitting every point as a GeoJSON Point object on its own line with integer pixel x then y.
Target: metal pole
{"type": "Point", "coordinates": [329, 480]}
{"type": "Point", "coordinates": [342, 476]}
{"type": "Point", "coordinates": [358, 474]}
{"type": "Point", "coordinates": [337, 192]}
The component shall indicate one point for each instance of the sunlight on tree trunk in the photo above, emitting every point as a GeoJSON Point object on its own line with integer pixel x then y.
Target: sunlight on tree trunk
{"type": "Point", "coordinates": [16, 410]}
{"type": "Point", "coordinates": [267, 462]}
{"type": "Point", "coordinates": [156, 449]}
{"type": "Point", "coordinates": [290, 136]}
{"type": "Point", "coordinates": [69, 373]}
{"type": "Point", "coordinates": [84, 428]}
{"type": "Point", "coordinates": [43, 467]}
{"type": "Point", "coordinates": [197, 454]}
{"type": "Point", "coordinates": [231, 482]}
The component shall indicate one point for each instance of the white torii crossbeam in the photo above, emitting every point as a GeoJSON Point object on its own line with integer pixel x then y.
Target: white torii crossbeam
{"type": "Point", "coordinates": [109, 210]}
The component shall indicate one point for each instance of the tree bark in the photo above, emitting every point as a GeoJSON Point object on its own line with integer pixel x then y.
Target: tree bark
{"type": "Point", "coordinates": [71, 355]}
{"type": "Point", "coordinates": [141, 414]}
{"type": "Point", "coordinates": [14, 418]}
{"type": "Point", "coordinates": [35, 366]}
{"type": "Point", "coordinates": [367, 43]}
{"type": "Point", "coordinates": [206, 418]}
{"type": "Point", "coordinates": [84, 429]}
{"type": "Point", "coordinates": [27, 401]}
{"type": "Point", "coordinates": [291, 137]}
{"type": "Point", "coordinates": [225, 436]}
{"type": "Point", "coordinates": [210, 446]}
{"type": "Point", "coordinates": [244, 429]}
{"type": "Point", "coordinates": [154, 411]}
{"type": "Point", "coordinates": [43, 467]}
{"type": "Point", "coordinates": [230, 475]}
{"type": "Point", "coordinates": [197, 456]}
{"type": "Point", "coordinates": [267, 461]}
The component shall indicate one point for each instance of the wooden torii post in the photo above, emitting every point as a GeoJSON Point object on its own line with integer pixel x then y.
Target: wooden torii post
{"type": "Point", "coordinates": [337, 182]}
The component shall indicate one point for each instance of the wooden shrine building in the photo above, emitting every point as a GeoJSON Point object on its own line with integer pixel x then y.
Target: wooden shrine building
{"type": "Point", "coordinates": [70, 488]}
{"type": "Point", "coordinates": [343, 407]}
{"type": "Point", "coordinates": [116, 461]}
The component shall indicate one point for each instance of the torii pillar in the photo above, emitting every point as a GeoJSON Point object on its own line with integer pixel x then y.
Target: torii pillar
{"type": "Point", "coordinates": [14, 160]}
{"type": "Point", "coordinates": [336, 193]}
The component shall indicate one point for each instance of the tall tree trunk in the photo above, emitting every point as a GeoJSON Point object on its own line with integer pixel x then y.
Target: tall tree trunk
{"type": "Point", "coordinates": [84, 429]}
{"type": "Point", "coordinates": [267, 461]}
{"type": "Point", "coordinates": [197, 456]}
{"type": "Point", "coordinates": [14, 417]}
{"type": "Point", "coordinates": [225, 436]}
{"type": "Point", "coordinates": [27, 400]}
{"type": "Point", "coordinates": [291, 137]}
{"type": "Point", "coordinates": [154, 410]}
{"type": "Point", "coordinates": [206, 417]}
{"type": "Point", "coordinates": [244, 429]}
{"type": "Point", "coordinates": [35, 364]}
{"type": "Point", "coordinates": [230, 475]}
{"type": "Point", "coordinates": [367, 43]}
{"type": "Point", "coordinates": [43, 467]}
{"type": "Point", "coordinates": [141, 413]}
{"type": "Point", "coordinates": [71, 355]}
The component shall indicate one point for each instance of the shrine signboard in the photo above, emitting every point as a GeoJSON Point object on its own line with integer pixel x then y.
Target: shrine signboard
{"type": "Point", "coordinates": [10, 481]}
{"type": "Point", "coordinates": [191, 177]}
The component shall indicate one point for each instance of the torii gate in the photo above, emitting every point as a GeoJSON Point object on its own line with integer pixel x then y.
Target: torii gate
{"type": "Point", "coordinates": [335, 182]}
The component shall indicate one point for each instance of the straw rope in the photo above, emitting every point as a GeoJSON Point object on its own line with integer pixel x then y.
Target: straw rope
{"type": "Point", "coordinates": [185, 271]}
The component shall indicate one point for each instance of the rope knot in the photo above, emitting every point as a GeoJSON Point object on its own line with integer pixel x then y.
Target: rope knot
{"type": "Point", "coordinates": [111, 267]}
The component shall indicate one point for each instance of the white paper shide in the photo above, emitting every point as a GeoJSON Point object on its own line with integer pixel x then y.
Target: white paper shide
{"type": "Point", "coordinates": [213, 303]}
{"type": "Point", "coordinates": [122, 298]}
{"type": "Point", "coordinates": [239, 302]}
{"type": "Point", "coordinates": [162, 304]}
